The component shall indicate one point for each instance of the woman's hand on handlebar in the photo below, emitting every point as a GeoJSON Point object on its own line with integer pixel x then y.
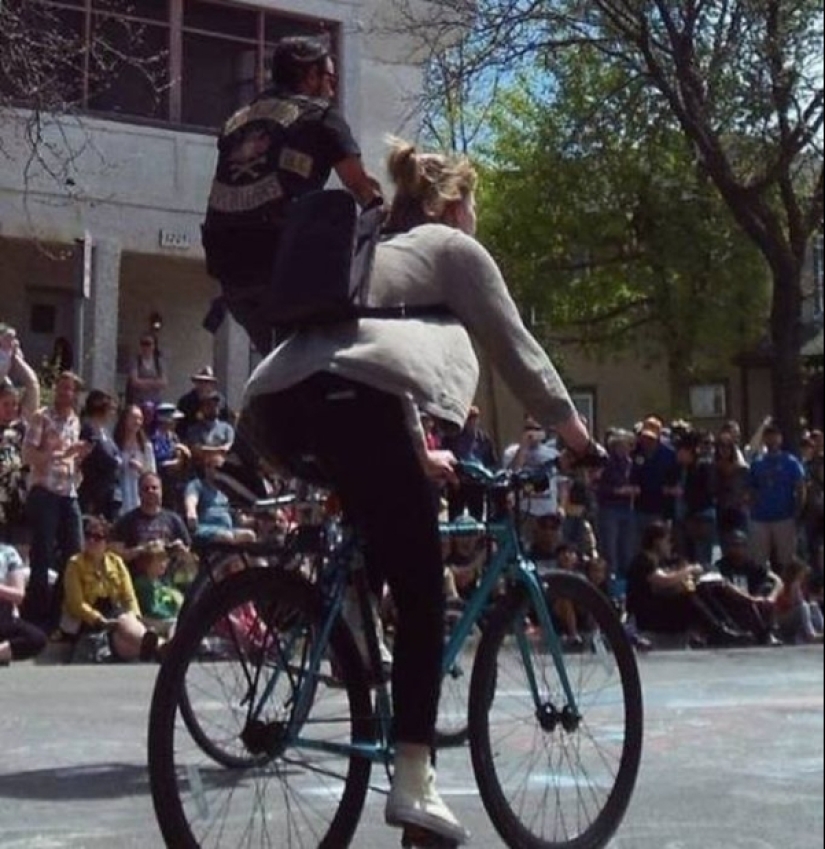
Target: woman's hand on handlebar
{"type": "Point", "coordinates": [439, 466]}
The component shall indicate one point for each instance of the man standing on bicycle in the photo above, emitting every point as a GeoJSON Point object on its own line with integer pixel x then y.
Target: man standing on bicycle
{"type": "Point", "coordinates": [371, 378]}
{"type": "Point", "coordinates": [281, 146]}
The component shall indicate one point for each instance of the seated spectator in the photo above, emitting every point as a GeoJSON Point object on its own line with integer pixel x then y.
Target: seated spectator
{"type": "Point", "coordinates": [547, 537]}
{"type": "Point", "coordinates": [799, 619]}
{"type": "Point", "coordinates": [159, 603]}
{"type": "Point", "coordinates": [100, 597]}
{"type": "Point", "coordinates": [467, 555]}
{"type": "Point", "coordinates": [575, 527]}
{"type": "Point", "coordinates": [148, 522]}
{"type": "Point", "coordinates": [662, 596]}
{"type": "Point", "coordinates": [564, 611]}
{"type": "Point", "coordinates": [18, 639]}
{"type": "Point", "coordinates": [745, 573]}
{"type": "Point", "coordinates": [206, 507]}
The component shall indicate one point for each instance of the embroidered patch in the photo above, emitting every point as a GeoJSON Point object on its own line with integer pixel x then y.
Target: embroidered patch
{"type": "Point", "coordinates": [296, 162]}
{"type": "Point", "coordinates": [224, 198]}
{"type": "Point", "coordinates": [281, 112]}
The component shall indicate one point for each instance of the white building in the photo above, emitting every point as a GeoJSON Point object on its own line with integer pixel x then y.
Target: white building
{"type": "Point", "coordinates": [139, 169]}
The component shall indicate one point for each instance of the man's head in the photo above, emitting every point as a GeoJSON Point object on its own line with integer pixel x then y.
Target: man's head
{"type": "Point", "coordinates": [9, 402]}
{"type": "Point", "coordinates": [736, 546]}
{"type": "Point", "coordinates": [772, 436]}
{"type": "Point", "coordinates": [204, 381]}
{"type": "Point", "coordinates": [304, 66]}
{"type": "Point", "coordinates": [150, 492]}
{"type": "Point", "coordinates": [65, 390]}
{"type": "Point", "coordinates": [211, 405]}
{"type": "Point", "coordinates": [650, 434]}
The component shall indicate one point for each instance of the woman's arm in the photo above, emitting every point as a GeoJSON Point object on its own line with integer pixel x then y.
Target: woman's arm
{"type": "Point", "coordinates": [14, 590]}
{"type": "Point", "coordinates": [76, 604]}
{"type": "Point", "coordinates": [475, 291]}
{"type": "Point", "coordinates": [30, 401]}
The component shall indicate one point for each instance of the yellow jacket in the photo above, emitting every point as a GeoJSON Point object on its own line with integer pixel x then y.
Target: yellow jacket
{"type": "Point", "coordinates": [85, 586]}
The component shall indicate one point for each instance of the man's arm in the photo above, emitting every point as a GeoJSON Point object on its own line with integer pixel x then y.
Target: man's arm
{"type": "Point", "coordinates": [354, 176]}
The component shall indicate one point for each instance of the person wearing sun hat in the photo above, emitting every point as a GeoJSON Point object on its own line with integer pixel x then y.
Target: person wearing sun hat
{"type": "Point", "coordinates": [204, 383]}
{"type": "Point", "coordinates": [171, 455]}
{"type": "Point", "coordinates": [654, 464]}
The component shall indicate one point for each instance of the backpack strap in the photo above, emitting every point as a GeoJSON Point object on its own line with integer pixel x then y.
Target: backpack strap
{"type": "Point", "coordinates": [405, 311]}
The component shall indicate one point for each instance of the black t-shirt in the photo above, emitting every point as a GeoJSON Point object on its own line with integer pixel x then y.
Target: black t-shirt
{"type": "Point", "coordinates": [640, 596]}
{"type": "Point", "coordinates": [100, 467]}
{"type": "Point", "coordinates": [137, 528]}
{"type": "Point", "coordinates": [748, 575]}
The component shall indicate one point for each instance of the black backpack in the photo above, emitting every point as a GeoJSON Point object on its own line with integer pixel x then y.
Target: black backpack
{"type": "Point", "coordinates": [324, 263]}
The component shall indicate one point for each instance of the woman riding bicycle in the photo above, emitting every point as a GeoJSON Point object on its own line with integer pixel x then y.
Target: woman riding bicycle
{"type": "Point", "coordinates": [348, 397]}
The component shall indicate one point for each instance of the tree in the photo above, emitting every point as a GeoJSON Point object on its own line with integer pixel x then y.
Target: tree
{"type": "Point", "coordinates": [742, 81]}
{"type": "Point", "coordinates": [612, 239]}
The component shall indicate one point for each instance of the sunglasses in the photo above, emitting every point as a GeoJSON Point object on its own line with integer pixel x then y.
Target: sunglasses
{"type": "Point", "coordinates": [95, 537]}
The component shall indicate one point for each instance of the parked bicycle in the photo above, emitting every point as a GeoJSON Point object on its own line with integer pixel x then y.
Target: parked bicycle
{"type": "Point", "coordinates": [555, 737]}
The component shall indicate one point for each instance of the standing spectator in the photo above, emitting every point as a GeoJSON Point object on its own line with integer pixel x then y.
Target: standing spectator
{"type": "Point", "coordinates": [147, 376]}
{"type": "Point", "coordinates": [171, 455]}
{"type": "Point", "coordinates": [204, 383]}
{"type": "Point", "coordinates": [210, 434]}
{"type": "Point", "coordinates": [693, 488]}
{"type": "Point", "coordinates": [100, 597]}
{"type": "Point", "coordinates": [99, 491]}
{"type": "Point", "coordinates": [16, 408]}
{"type": "Point", "coordinates": [53, 451]}
{"type": "Point", "coordinates": [812, 513]}
{"type": "Point", "coordinates": [777, 491]}
{"type": "Point", "coordinates": [533, 451]}
{"type": "Point", "coordinates": [471, 444]}
{"type": "Point", "coordinates": [654, 463]}
{"type": "Point", "coordinates": [616, 495]}
{"type": "Point", "coordinates": [137, 455]}
{"type": "Point", "coordinates": [731, 486]}
{"type": "Point", "coordinates": [149, 521]}
{"type": "Point", "coordinates": [18, 639]}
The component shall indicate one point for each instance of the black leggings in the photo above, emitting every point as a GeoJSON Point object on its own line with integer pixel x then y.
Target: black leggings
{"type": "Point", "coordinates": [26, 640]}
{"type": "Point", "coordinates": [359, 437]}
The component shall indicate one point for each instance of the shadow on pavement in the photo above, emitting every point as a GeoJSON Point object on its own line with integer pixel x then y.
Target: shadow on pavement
{"type": "Point", "coordinates": [92, 781]}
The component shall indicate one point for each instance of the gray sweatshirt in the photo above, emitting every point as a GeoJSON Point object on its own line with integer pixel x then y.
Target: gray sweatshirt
{"type": "Point", "coordinates": [429, 362]}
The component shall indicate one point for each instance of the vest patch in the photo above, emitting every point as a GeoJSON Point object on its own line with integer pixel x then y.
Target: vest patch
{"type": "Point", "coordinates": [296, 162]}
{"type": "Point", "coordinates": [224, 198]}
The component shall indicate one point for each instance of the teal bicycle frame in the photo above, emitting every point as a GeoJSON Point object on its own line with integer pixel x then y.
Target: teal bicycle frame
{"type": "Point", "coordinates": [346, 565]}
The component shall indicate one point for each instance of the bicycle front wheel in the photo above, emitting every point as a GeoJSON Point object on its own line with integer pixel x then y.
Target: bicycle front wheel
{"type": "Point", "coordinates": [268, 763]}
{"type": "Point", "coordinates": [552, 774]}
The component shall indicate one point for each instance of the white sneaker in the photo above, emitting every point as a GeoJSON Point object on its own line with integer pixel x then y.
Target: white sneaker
{"type": "Point", "coordinates": [414, 801]}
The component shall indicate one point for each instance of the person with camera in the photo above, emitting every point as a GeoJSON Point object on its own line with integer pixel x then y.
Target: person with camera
{"type": "Point", "coordinates": [373, 378]}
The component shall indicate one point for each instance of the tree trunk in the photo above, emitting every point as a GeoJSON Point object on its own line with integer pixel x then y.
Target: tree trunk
{"type": "Point", "coordinates": [786, 335]}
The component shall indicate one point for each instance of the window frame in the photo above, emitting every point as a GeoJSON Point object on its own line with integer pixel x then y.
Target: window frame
{"type": "Point", "coordinates": [174, 26]}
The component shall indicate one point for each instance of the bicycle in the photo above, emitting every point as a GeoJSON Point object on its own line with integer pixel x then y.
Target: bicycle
{"type": "Point", "coordinates": [555, 737]}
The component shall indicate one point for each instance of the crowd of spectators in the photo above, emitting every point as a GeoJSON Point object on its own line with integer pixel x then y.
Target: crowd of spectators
{"type": "Point", "coordinates": [103, 507]}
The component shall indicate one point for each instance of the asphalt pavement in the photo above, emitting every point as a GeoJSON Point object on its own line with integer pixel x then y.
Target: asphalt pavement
{"type": "Point", "coordinates": [733, 757]}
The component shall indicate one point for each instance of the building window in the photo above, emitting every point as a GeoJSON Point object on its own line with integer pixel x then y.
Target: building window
{"type": "Point", "coordinates": [180, 61]}
{"type": "Point", "coordinates": [584, 400]}
{"type": "Point", "coordinates": [709, 401]}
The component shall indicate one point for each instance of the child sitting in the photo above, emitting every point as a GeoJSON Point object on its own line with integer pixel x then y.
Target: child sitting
{"type": "Point", "coordinates": [159, 603]}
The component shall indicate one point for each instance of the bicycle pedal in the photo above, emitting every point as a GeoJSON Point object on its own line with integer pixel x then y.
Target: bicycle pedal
{"type": "Point", "coordinates": [415, 837]}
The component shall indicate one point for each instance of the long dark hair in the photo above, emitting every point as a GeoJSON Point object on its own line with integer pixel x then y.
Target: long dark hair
{"type": "Point", "coordinates": [120, 428]}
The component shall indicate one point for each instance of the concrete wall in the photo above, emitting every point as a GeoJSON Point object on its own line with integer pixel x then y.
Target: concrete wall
{"type": "Point", "coordinates": [127, 184]}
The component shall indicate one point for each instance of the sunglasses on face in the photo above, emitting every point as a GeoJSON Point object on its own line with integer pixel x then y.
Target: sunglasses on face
{"type": "Point", "coordinates": [94, 536]}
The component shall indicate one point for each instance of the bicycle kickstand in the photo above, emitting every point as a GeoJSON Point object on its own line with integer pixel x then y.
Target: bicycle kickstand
{"type": "Point", "coordinates": [419, 838]}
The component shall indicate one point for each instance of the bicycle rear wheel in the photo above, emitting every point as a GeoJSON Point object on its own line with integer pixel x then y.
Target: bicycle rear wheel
{"type": "Point", "coordinates": [549, 776]}
{"type": "Point", "coordinates": [261, 712]}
